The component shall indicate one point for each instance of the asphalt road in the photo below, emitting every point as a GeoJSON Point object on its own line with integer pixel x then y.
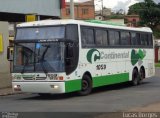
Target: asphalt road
{"type": "Point", "coordinates": [114, 98]}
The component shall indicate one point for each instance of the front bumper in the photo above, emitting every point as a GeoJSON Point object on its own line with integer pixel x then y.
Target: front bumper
{"type": "Point", "coordinates": [39, 87]}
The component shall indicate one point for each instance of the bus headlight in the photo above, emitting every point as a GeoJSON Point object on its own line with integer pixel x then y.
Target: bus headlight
{"type": "Point", "coordinates": [54, 86]}
{"type": "Point", "coordinates": [17, 88]}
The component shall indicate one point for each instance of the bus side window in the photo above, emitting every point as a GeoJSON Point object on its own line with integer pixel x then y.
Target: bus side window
{"type": "Point", "coordinates": [133, 39]}
{"type": "Point", "coordinates": [101, 37]}
{"type": "Point", "coordinates": [150, 40]}
{"type": "Point", "coordinates": [83, 36]}
{"type": "Point", "coordinates": [138, 38]}
{"type": "Point", "coordinates": [146, 40]}
{"type": "Point", "coordinates": [114, 37]}
{"type": "Point", "coordinates": [87, 36]}
{"type": "Point", "coordinates": [111, 37]}
{"type": "Point", "coordinates": [72, 32]}
{"type": "Point", "coordinates": [125, 38]}
{"type": "Point", "coordinates": [117, 37]}
{"type": "Point", "coordinates": [142, 39]}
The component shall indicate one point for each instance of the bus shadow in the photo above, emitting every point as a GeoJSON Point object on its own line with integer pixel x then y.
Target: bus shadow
{"type": "Point", "coordinates": [51, 96]}
{"type": "Point", "coordinates": [119, 86]}
{"type": "Point", "coordinates": [97, 90]}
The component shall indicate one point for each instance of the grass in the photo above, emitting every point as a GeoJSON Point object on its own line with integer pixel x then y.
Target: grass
{"type": "Point", "coordinates": [157, 64]}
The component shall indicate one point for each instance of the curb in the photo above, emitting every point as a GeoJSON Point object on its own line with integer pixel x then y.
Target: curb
{"type": "Point", "coordinates": [6, 94]}
{"type": "Point", "coordinates": [9, 93]}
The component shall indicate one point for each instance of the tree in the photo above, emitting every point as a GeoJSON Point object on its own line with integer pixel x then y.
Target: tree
{"type": "Point", "coordinates": [148, 11]}
{"type": "Point", "coordinates": [135, 9]}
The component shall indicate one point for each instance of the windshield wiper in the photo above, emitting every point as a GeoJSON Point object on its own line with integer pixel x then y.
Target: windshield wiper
{"type": "Point", "coordinates": [27, 52]}
{"type": "Point", "coordinates": [26, 62]}
{"type": "Point", "coordinates": [42, 59]}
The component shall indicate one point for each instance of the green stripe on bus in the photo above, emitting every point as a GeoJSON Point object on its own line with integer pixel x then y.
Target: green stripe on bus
{"type": "Point", "coordinates": [110, 79]}
{"type": "Point", "coordinates": [73, 85]}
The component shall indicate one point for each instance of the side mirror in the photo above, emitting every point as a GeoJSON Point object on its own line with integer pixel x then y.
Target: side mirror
{"type": "Point", "coordinates": [10, 53]}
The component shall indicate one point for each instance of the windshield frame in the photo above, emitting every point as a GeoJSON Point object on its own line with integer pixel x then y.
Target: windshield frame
{"type": "Point", "coordinates": [45, 26]}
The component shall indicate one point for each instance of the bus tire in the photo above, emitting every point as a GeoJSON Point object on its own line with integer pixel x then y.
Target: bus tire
{"type": "Point", "coordinates": [86, 86]}
{"type": "Point", "coordinates": [142, 73]}
{"type": "Point", "coordinates": [135, 78]}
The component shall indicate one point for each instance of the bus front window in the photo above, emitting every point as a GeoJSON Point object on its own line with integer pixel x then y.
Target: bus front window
{"type": "Point", "coordinates": [37, 33]}
{"type": "Point", "coordinates": [49, 57]}
{"type": "Point", "coordinates": [39, 57]}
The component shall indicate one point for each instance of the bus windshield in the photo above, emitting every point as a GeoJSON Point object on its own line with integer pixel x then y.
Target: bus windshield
{"type": "Point", "coordinates": [41, 49]}
{"type": "Point", "coordinates": [39, 57]}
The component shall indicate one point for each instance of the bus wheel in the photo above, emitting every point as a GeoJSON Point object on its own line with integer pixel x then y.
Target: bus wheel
{"type": "Point", "coordinates": [142, 73]}
{"type": "Point", "coordinates": [86, 85]}
{"type": "Point", "coordinates": [135, 78]}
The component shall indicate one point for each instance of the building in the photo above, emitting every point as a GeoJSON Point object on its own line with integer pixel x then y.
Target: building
{"type": "Point", "coordinates": [117, 21]}
{"type": "Point", "coordinates": [99, 17]}
{"type": "Point", "coordinates": [82, 11]}
{"type": "Point", "coordinates": [5, 78]}
{"type": "Point", "coordinates": [16, 10]}
{"type": "Point", "coordinates": [106, 12]}
{"type": "Point", "coordinates": [131, 20]}
{"type": "Point", "coordinates": [157, 50]}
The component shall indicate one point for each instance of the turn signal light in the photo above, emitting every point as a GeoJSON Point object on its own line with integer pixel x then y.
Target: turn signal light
{"type": "Point", "coordinates": [60, 78]}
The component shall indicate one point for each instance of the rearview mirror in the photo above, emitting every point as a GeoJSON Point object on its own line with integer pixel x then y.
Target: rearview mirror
{"type": "Point", "coordinates": [10, 53]}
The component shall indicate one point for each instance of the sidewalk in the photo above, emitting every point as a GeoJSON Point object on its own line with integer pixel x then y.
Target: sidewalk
{"type": "Point", "coordinates": [7, 91]}
{"type": "Point", "coordinates": [154, 107]}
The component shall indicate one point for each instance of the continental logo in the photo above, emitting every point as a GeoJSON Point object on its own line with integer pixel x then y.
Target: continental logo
{"type": "Point", "coordinates": [93, 55]}
{"type": "Point", "coordinates": [137, 56]}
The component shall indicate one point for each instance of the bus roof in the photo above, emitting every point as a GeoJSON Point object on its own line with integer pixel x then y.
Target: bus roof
{"type": "Point", "coordinates": [81, 22]}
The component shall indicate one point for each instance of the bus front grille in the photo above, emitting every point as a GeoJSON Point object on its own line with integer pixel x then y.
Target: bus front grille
{"type": "Point", "coordinates": [33, 78]}
{"type": "Point", "coordinates": [28, 78]}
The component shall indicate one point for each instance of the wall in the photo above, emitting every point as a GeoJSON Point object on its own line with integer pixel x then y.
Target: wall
{"type": "Point", "coordinates": [118, 21]}
{"type": "Point", "coordinates": [5, 79]}
{"type": "Point", "coordinates": [79, 11]}
{"type": "Point", "coordinates": [132, 20]}
{"type": "Point", "coordinates": [41, 7]}
{"type": "Point", "coordinates": [98, 17]}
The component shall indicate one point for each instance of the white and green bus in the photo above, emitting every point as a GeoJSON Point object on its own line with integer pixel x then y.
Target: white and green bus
{"type": "Point", "coordinates": [62, 56]}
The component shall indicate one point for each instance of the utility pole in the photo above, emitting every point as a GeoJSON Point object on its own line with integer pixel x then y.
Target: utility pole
{"type": "Point", "coordinates": [102, 7]}
{"type": "Point", "coordinates": [72, 9]}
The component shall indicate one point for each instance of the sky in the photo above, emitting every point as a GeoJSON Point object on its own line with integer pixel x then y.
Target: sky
{"type": "Point", "coordinates": [115, 4]}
